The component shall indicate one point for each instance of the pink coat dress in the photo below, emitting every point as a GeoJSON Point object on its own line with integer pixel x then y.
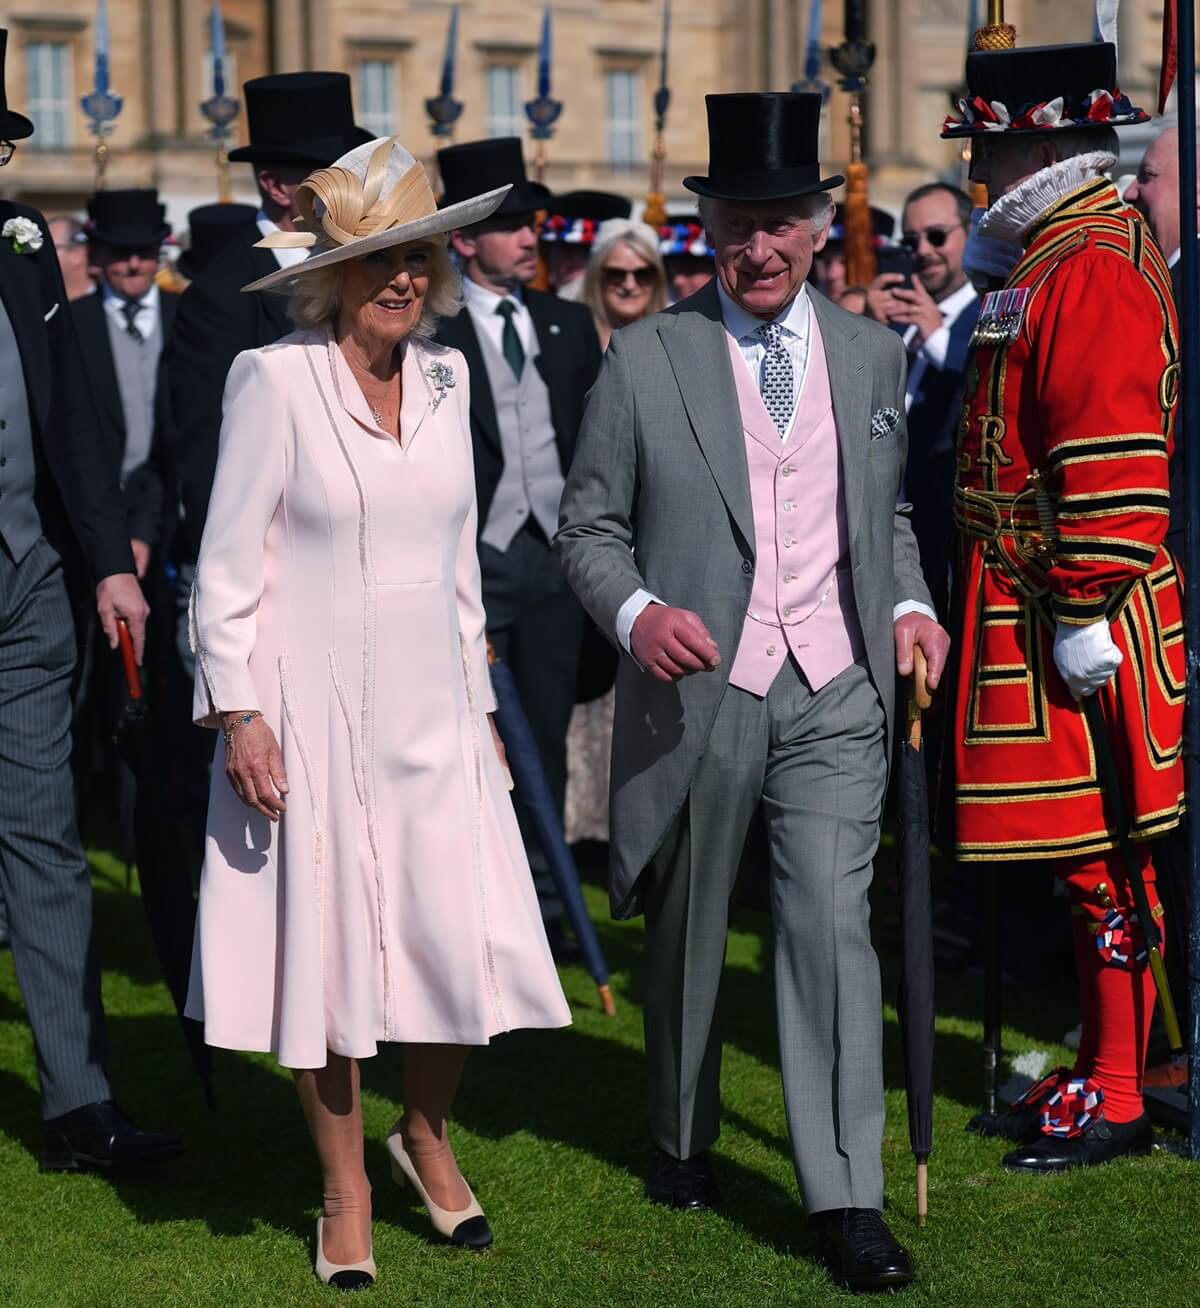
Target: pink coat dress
{"type": "Point", "coordinates": [337, 591]}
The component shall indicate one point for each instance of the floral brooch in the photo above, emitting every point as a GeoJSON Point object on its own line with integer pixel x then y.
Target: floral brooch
{"type": "Point", "coordinates": [441, 379]}
{"type": "Point", "coordinates": [25, 234]}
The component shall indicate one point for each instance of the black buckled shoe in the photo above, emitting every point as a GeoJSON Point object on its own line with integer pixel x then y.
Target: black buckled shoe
{"type": "Point", "coordinates": [101, 1136]}
{"type": "Point", "coordinates": [1102, 1142]}
{"type": "Point", "coordinates": [686, 1183]}
{"type": "Point", "coordinates": [860, 1249]}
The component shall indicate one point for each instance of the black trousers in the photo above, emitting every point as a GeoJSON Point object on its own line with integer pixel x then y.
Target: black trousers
{"type": "Point", "coordinates": [44, 876]}
{"type": "Point", "coordinates": [536, 626]}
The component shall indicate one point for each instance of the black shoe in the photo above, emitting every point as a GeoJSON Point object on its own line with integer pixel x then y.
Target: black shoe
{"type": "Point", "coordinates": [860, 1250]}
{"type": "Point", "coordinates": [1017, 1125]}
{"type": "Point", "coordinates": [686, 1183]}
{"type": "Point", "coordinates": [1100, 1143]}
{"type": "Point", "coordinates": [101, 1136]}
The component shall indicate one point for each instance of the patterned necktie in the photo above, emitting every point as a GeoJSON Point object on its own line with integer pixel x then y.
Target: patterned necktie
{"type": "Point", "coordinates": [130, 310]}
{"type": "Point", "coordinates": [510, 342]}
{"type": "Point", "coordinates": [777, 383]}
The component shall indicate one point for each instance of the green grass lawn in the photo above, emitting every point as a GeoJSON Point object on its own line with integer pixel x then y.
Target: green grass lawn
{"type": "Point", "coordinates": [550, 1129]}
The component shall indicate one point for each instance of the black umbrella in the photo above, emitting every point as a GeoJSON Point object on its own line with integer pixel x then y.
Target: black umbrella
{"type": "Point", "coordinates": [915, 1000]}
{"type": "Point", "coordinates": [162, 869]}
{"type": "Point", "coordinates": [530, 780]}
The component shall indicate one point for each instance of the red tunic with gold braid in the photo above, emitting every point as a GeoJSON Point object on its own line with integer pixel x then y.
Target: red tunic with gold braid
{"type": "Point", "coordinates": [1061, 500]}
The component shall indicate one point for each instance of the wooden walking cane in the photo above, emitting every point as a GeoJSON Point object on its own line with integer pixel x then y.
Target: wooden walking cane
{"type": "Point", "coordinates": [919, 699]}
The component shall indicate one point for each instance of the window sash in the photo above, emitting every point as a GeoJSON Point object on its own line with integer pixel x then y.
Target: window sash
{"type": "Point", "coordinates": [377, 96]}
{"type": "Point", "coordinates": [505, 108]}
{"type": "Point", "coordinates": [624, 118]}
{"type": "Point", "coordinates": [48, 94]}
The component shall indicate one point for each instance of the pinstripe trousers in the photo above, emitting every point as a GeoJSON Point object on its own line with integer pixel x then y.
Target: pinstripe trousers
{"type": "Point", "coordinates": [43, 873]}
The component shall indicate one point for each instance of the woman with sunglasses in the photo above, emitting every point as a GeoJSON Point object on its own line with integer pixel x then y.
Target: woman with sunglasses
{"type": "Point", "coordinates": [625, 278]}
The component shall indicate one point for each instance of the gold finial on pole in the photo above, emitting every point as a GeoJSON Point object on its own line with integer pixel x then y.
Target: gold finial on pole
{"type": "Point", "coordinates": [997, 35]}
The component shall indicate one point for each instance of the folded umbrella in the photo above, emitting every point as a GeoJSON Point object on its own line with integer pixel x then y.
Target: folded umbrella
{"type": "Point", "coordinates": [915, 1003]}
{"type": "Point", "coordinates": [530, 780]}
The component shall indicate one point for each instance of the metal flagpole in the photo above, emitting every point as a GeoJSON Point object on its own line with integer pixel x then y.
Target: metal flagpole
{"type": "Point", "coordinates": [101, 104]}
{"type": "Point", "coordinates": [1190, 436]}
{"type": "Point", "coordinates": [443, 109]}
{"type": "Point", "coordinates": [543, 111]}
{"type": "Point", "coordinates": [220, 109]}
{"type": "Point", "coordinates": [655, 212]}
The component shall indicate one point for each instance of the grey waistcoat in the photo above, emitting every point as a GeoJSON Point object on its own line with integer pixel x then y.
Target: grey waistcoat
{"type": "Point", "coordinates": [532, 480]}
{"type": "Point", "coordinates": [136, 363]}
{"type": "Point", "coordinates": [20, 523]}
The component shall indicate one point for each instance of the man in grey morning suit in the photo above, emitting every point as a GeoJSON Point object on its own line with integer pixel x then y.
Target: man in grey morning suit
{"type": "Point", "coordinates": [56, 482]}
{"type": "Point", "coordinates": [740, 458]}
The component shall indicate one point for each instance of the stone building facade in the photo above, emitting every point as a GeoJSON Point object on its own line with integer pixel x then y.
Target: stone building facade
{"type": "Point", "coordinates": [605, 70]}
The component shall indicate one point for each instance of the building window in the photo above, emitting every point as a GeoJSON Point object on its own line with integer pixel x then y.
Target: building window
{"type": "Point", "coordinates": [505, 111]}
{"type": "Point", "coordinates": [48, 94]}
{"type": "Point", "coordinates": [624, 122]}
{"type": "Point", "coordinates": [376, 98]}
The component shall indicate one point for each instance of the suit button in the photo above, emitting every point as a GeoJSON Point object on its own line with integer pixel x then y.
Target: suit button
{"type": "Point", "coordinates": [747, 567]}
{"type": "Point", "coordinates": [787, 613]}
{"type": "Point", "coordinates": [787, 472]}
{"type": "Point", "coordinates": [787, 576]}
{"type": "Point", "coordinates": [788, 506]}
{"type": "Point", "coordinates": [788, 542]}
{"type": "Point", "coordinates": [770, 649]}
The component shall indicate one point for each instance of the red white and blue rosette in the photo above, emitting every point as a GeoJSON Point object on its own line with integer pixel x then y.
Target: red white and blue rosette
{"type": "Point", "coordinates": [1072, 1108]}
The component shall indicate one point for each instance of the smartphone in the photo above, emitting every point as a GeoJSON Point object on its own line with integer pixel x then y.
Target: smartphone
{"type": "Point", "coordinates": [897, 259]}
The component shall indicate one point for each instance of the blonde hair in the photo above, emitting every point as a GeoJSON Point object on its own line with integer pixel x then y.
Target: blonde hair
{"type": "Point", "coordinates": [643, 241]}
{"type": "Point", "coordinates": [314, 298]}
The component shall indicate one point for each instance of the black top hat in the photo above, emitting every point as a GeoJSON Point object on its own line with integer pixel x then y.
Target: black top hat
{"type": "Point", "coordinates": [13, 127]}
{"type": "Point", "coordinates": [476, 166]}
{"type": "Point", "coordinates": [299, 118]}
{"type": "Point", "coordinates": [127, 218]}
{"type": "Point", "coordinates": [762, 146]}
{"type": "Point", "coordinates": [210, 227]}
{"type": "Point", "coordinates": [572, 219]}
{"type": "Point", "coordinates": [1040, 88]}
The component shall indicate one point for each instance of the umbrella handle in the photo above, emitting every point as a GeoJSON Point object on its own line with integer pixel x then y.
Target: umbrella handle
{"type": "Point", "coordinates": [922, 1192]}
{"type": "Point", "coordinates": [133, 676]}
{"type": "Point", "coordinates": [607, 1003]}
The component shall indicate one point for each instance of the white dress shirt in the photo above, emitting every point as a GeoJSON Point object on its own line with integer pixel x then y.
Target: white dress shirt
{"type": "Point", "coordinates": [146, 318]}
{"type": "Point", "coordinates": [482, 305]}
{"type": "Point", "coordinates": [743, 327]}
{"type": "Point", "coordinates": [285, 258]}
{"type": "Point", "coordinates": [933, 351]}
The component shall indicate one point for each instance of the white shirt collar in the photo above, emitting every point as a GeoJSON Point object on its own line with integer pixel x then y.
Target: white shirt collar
{"type": "Point", "coordinates": [956, 302]}
{"type": "Point", "coordinates": [1174, 259]}
{"type": "Point", "coordinates": [484, 301]}
{"type": "Point", "coordinates": [284, 257]}
{"type": "Point", "coordinates": [741, 324]}
{"type": "Point", "coordinates": [114, 302]}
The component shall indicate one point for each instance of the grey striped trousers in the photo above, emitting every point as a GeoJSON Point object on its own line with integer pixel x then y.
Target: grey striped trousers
{"type": "Point", "coordinates": [43, 873]}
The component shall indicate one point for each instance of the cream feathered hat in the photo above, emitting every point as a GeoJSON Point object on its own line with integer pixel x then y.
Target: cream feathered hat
{"type": "Point", "coordinates": [374, 197]}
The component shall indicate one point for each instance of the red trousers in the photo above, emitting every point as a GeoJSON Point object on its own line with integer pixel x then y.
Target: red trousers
{"type": "Point", "coordinates": [1117, 1002]}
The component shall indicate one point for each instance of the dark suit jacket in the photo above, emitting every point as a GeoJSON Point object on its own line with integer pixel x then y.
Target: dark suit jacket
{"type": "Point", "coordinates": [215, 322]}
{"type": "Point", "coordinates": [144, 485]}
{"type": "Point", "coordinates": [568, 362]}
{"type": "Point", "coordinates": [929, 478]}
{"type": "Point", "coordinates": [78, 493]}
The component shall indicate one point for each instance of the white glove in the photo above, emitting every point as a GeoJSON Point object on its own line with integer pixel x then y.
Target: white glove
{"type": "Point", "coordinates": [1086, 657]}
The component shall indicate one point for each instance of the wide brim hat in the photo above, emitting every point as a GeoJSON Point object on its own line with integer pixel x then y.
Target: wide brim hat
{"type": "Point", "coordinates": [299, 118]}
{"type": "Point", "coordinates": [13, 126]}
{"type": "Point", "coordinates": [489, 165]}
{"type": "Point", "coordinates": [762, 146]}
{"type": "Point", "coordinates": [1041, 88]}
{"type": "Point", "coordinates": [210, 228]}
{"type": "Point", "coordinates": [127, 218]}
{"type": "Point", "coordinates": [572, 219]}
{"type": "Point", "coordinates": [372, 198]}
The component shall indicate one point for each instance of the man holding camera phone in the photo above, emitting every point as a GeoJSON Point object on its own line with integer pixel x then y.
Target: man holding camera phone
{"type": "Point", "coordinates": [934, 307]}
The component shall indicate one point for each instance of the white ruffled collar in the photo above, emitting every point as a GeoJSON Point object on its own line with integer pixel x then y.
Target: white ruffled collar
{"type": "Point", "coordinates": [1015, 213]}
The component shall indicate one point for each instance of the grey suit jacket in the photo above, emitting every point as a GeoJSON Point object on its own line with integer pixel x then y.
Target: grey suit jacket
{"type": "Point", "coordinates": [658, 496]}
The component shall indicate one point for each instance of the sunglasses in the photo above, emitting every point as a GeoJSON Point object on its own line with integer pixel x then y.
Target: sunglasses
{"type": "Point", "coordinates": [645, 277]}
{"type": "Point", "coordinates": [936, 236]}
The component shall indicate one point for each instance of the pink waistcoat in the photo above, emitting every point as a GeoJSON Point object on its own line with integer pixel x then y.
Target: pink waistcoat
{"type": "Point", "coordinates": [803, 596]}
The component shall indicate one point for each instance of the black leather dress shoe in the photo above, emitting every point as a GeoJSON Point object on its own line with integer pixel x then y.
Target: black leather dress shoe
{"type": "Point", "coordinates": [1017, 1125]}
{"type": "Point", "coordinates": [686, 1183]}
{"type": "Point", "coordinates": [1100, 1143]}
{"type": "Point", "coordinates": [101, 1136]}
{"type": "Point", "coordinates": [860, 1249]}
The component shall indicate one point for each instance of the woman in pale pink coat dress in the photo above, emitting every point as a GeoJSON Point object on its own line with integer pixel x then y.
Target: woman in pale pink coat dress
{"type": "Point", "coordinates": [364, 878]}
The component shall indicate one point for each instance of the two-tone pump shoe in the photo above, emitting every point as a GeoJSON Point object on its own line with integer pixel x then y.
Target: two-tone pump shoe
{"type": "Point", "coordinates": [351, 1276]}
{"type": "Point", "coordinates": [467, 1227]}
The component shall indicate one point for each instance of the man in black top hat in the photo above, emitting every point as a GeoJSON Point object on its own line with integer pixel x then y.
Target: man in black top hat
{"type": "Point", "coordinates": [122, 330]}
{"type": "Point", "coordinates": [569, 230]}
{"type": "Point", "coordinates": [210, 228]}
{"type": "Point", "coordinates": [57, 481]}
{"type": "Point", "coordinates": [732, 522]}
{"type": "Point", "coordinates": [532, 359]}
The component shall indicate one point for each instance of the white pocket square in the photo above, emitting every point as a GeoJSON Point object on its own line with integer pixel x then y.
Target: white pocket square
{"type": "Point", "coordinates": [47, 316]}
{"type": "Point", "coordinates": [884, 422]}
